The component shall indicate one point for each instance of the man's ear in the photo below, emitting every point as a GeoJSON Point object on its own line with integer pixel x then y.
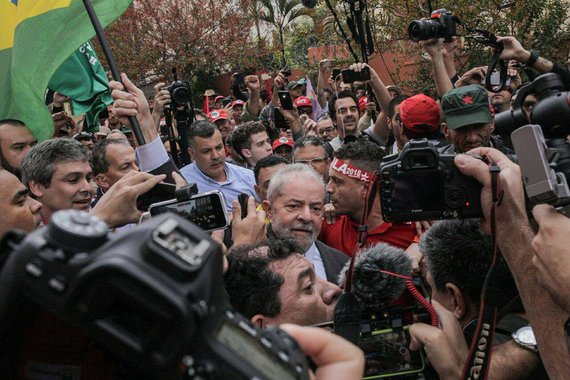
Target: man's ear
{"type": "Point", "coordinates": [389, 122]}
{"type": "Point", "coordinates": [458, 300]}
{"type": "Point", "coordinates": [256, 188]}
{"type": "Point", "coordinates": [446, 131]}
{"type": "Point", "coordinates": [267, 208]}
{"type": "Point", "coordinates": [36, 188]}
{"type": "Point", "coordinates": [259, 320]}
{"type": "Point", "coordinates": [102, 181]}
{"type": "Point", "coordinates": [492, 127]}
{"type": "Point", "coordinates": [246, 153]}
{"type": "Point", "coordinates": [191, 153]}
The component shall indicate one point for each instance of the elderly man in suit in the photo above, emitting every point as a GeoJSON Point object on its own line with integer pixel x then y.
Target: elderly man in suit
{"type": "Point", "coordinates": [294, 206]}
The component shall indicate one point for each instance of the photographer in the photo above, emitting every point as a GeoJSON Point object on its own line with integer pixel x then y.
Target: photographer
{"type": "Point", "coordinates": [514, 235]}
{"type": "Point", "coordinates": [449, 247]}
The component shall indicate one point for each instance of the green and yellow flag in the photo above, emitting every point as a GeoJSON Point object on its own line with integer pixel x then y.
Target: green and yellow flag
{"type": "Point", "coordinates": [82, 78]}
{"type": "Point", "coordinates": [36, 37]}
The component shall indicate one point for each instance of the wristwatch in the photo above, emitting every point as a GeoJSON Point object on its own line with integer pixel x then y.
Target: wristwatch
{"type": "Point", "coordinates": [524, 337]}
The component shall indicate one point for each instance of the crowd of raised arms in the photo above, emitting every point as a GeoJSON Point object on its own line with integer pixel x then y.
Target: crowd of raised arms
{"type": "Point", "coordinates": [308, 162]}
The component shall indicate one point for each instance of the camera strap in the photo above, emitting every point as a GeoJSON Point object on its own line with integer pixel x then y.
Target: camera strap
{"type": "Point", "coordinates": [479, 358]}
{"type": "Point", "coordinates": [486, 37]}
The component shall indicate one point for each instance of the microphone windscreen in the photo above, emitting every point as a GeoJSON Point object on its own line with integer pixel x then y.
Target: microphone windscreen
{"type": "Point", "coordinates": [372, 288]}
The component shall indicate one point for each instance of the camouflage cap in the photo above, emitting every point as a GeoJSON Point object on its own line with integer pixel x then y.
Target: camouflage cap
{"type": "Point", "coordinates": [465, 106]}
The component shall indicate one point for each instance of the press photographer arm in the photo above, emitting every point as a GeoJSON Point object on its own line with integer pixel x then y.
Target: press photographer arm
{"type": "Point", "coordinates": [552, 260]}
{"type": "Point", "coordinates": [447, 350]}
{"type": "Point", "coordinates": [434, 48]}
{"type": "Point", "coordinates": [161, 99]}
{"type": "Point", "coordinates": [445, 347]}
{"type": "Point", "coordinates": [514, 50]}
{"type": "Point", "coordinates": [514, 235]}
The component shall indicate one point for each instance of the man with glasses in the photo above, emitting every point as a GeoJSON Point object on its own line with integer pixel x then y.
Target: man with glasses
{"type": "Point", "coordinates": [311, 150]}
{"type": "Point", "coordinates": [326, 129]}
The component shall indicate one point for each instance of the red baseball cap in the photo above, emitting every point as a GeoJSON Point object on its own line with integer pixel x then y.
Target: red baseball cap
{"type": "Point", "coordinates": [216, 115]}
{"type": "Point", "coordinates": [303, 101]}
{"type": "Point", "coordinates": [362, 103]}
{"type": "Point", "coordinates": [219, 97]}
{"type": "Point", "coordinates": [420, 114]}
{"type": "Point", "coordinates": [282, 141]}
{"type": "Point", "coordinates": [237, 103]}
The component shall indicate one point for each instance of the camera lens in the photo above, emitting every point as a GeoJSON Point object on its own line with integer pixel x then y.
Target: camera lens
{"type": "Point", "coordinates": [454, 198]}
{"type": "Point", "coordinates": [181, 95]}
{"type": "Point", "coordinates": [419, 30]}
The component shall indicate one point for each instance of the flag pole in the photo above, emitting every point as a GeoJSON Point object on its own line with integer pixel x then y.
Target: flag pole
{"type": "Point", "coordinates": [112, 64]}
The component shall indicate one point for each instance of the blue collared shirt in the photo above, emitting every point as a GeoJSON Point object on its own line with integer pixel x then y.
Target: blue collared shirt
{"type": "Point", "coordinates": [239, 180]}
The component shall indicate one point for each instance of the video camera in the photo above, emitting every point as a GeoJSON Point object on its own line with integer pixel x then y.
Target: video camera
{"type": "Point", "coordinates": [422, 184]}
{"type": "Point", "coordinates": [441, 24]}
{"type": "Point", "coordinates": [540, 141]}
{"type": "Point", "coordinates": [153, 296]}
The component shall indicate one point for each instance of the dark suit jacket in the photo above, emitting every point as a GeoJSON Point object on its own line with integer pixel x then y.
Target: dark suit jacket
{"type": "Point", "coordinates": [333, 260]}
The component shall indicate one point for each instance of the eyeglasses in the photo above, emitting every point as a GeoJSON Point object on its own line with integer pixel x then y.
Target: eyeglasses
{"type": "Point", "coordinates": [312, 161]}
{"type": "Point", "coordinates": [327, 131]}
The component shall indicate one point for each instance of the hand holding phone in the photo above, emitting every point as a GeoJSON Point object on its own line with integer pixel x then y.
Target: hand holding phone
{"type": "Point", "coordinates": [351, 76]}
{"type": "Point", "coordinates": [285, 100]}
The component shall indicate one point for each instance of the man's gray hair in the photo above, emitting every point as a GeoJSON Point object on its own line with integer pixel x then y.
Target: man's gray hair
{"type": "Point", "coordinates": [39, 164]}
{"type": "Point", "coordinates": [293, 172]}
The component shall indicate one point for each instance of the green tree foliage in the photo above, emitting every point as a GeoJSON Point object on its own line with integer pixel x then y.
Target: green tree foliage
{"type": "Point", "coordinates": [281, 14]}
{"type": "Point", "coordinates": [198, 37]}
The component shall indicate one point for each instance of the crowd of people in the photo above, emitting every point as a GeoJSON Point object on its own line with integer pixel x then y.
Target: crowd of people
{"type": "Point", "coordinates": [309, 171]}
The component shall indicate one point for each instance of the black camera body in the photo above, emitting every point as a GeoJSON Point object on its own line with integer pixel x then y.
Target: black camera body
{"type": "Point", "coordinates": [539, 140]}
{"type": "Point", "coordinates": [154, 296]}
{"type": "Point", "coordinates": [180, 92]}
{"type": "Point", "coordinates": [421, 184]}
{"type": "Point", "coordinates": [441, 24]}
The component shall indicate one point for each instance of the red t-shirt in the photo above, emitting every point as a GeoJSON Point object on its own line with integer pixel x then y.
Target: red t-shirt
{"type": "Point", "coordinates": [343, 234]}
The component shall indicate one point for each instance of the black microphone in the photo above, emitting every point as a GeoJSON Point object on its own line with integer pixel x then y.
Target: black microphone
{"type": "Point", "coordinates": [309, 3]}
{"type": "Point", "coordinates": [371, 288]}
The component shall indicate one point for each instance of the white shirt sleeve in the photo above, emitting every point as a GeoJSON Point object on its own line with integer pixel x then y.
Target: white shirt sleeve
{"type": "Point", "coordinates": [152, 155]}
